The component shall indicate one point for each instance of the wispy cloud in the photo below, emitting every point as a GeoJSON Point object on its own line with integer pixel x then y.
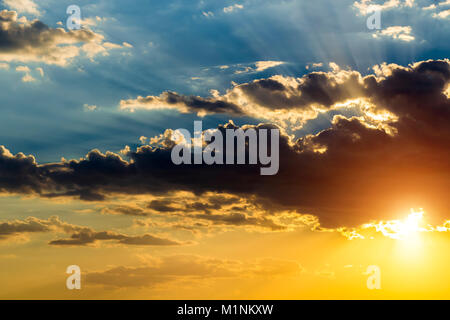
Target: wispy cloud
{"type": "Point", "coordinates": [232, 8]}
{"type": "Point", "coordinates": [396, 33]}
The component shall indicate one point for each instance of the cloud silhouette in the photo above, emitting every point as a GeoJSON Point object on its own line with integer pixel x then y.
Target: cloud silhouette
{"type": "Point", "coordinates": [346, 174]}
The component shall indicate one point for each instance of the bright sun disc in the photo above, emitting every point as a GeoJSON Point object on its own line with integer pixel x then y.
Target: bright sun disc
{"type": "Point", "coordinates": [402, 229]}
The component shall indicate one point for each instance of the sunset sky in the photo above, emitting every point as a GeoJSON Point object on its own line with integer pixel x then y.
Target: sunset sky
{"type": "Point", "coordinates": [87, 128]}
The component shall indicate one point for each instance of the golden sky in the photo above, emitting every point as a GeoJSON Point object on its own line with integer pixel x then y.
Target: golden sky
{"type": "Point", "coordinates": [358, 207]}
{"type": "Point", "coordinates": [225, 261]}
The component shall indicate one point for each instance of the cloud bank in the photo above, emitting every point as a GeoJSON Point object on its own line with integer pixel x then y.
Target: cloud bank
{"type": "Point", "coordinates": [357, 169]}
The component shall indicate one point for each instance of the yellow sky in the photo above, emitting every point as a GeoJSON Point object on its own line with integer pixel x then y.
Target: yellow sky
{"type": "Point", "coordinates": [227, 262]}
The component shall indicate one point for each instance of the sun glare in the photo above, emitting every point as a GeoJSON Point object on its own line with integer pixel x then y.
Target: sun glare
{"type": "Point", "coordinates": [402, 229]}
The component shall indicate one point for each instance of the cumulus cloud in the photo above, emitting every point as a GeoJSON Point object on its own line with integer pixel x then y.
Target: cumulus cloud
{"type": "Point", "coordinates": [353, 171]}
{"type": "Point", "coordinates": [278, 99]}
{"type": "Point", "coordinates": [220, 210]}
{"type": "Point", "coordinates": [23, 6]}
{"type": "Point", "coordinates": [22, 40]}
{"type": "Point", "coordinates": [368, 6]}
{"type": "Point", "coordinates": [442, 15]}
{"type": "Point", "coordinates": [29, 225]}
{"type": "Point", "coordinates": [16, 228]}
{"type": "Point", "coordinates": [27, 77]}
{"type": "Point", "coordinates": [287, 102]}
{"type": "Point", "coordinates": [213, 211]}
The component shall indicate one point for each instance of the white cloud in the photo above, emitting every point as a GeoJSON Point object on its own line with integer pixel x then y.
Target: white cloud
{"type": "Point", "coordinates": [88, 107]}
{"type": "Point", "coordinates": [396, 32]}
{"type": "Point", "coordinates": [27, 77]}
{"type": "Point", "coordinates": [245, 70]}
{"type": "Point", "coordinates": [22, 69]}
{"type": "Point", "coordinates": [314, 65]}
{"type": "Point", "coordinates": [430, 7]}
{"type": "Point", "coordinates": [23, 6]}
{"type": "Point", "coordinates": [435, 5]}
{"type": "Point", "coordinates": [208, 14]}
{"type": "Point", "coordinates": [263, 65]}
{"type": "Point", "coordinates": [28, 41]}
{"type": "Point", "coordinates": [334, 67]}
{"type": "Point", "coordinates": [442, 15]}
{"type": "Point", "coordinates": [367, 6]}
{"type": "Point", "coordinates": [232, 8]}
{"type": "Point", "coordinates": [409, 3]}
{"type": "Point", "coordinates": [92, 21]}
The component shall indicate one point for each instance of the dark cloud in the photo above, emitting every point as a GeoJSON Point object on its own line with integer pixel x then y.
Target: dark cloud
{"type": "Point", "coordinates": [192, 104]}
{"type": "Point", "coordinates": [212, 210]}
{"type": "Point", "coordinates": [346, 174]}
{"type": "Point", "coordinates": [15, 227]}
{"type": "Point", "coordinates": [320, 88]}
{"type": "Point", "coordinates": [125, 210]}
{"type": "Point", "coordinates": [423, 81]}
{"type": "Point", "coordinates": [35, 225]}
{"type": "Point", "coordinates": [239, 219]}
{"type": "Point", "coordinates": [196, 104]}
{"type": "Point", "coordinates": [20, 173]}
{"type": "Point", "coordinates": [162, 206]}
{"type": "Point", "coordinates": [215, 202]}
{"type": "Point", "coordinates": [277, 93]}
{"type": "Point", "coordinates": [80, 236]}
{"type": "Point", "coordinates": [90, 237]}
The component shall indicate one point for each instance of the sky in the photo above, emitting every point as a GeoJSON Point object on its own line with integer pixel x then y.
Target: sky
{"type": "Point", "coordinates": [87, 126]}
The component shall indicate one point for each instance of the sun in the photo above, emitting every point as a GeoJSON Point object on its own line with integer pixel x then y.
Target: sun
{"type": "Point", "coordinates": [411, 225]}
{"type": "Point", "coordinates": [403, 229]}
